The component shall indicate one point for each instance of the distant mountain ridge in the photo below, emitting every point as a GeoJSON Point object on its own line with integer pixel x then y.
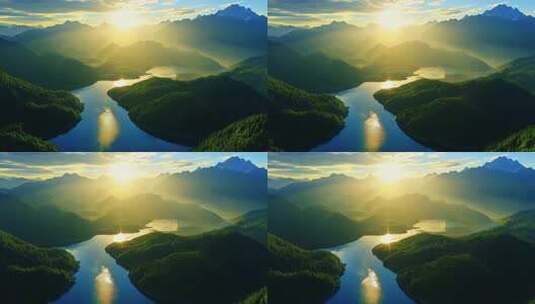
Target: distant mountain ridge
{"type": "Point", "coordinates": [505, 12]}
{"type": "Point", "coordinates": [505, 164]}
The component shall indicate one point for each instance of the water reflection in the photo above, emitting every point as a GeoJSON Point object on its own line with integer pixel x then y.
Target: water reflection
{"type": "Point", "coordinates": [374, 133]}
{"type": "Point", "coordinates": [378, 131]}
{"type": "Point", "coordinates": [104, 286]}
{"type": "Point", "coordinates": [108, 129]}
{"type": "Point", "coordinates": [371, 288]}
{"type": "Point", "coordinates": [106, 126]}
{"type": "Point", "coordinates": [366, 279]}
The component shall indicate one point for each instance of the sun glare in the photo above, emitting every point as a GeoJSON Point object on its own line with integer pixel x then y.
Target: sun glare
{"type": "Point", "coordinates": [390, 19]}
{"type": "Point", "coordinates": [124, 19]}
{"type": "Point", "coordinates": [389, 172]}
{"type": "Point", "coordinates": [122, 172]}
{"type": "Point", "coordinates": [119, 237]}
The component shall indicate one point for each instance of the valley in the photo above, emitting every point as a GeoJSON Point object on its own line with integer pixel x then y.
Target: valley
{"type": "Point", "coordinates": [371, 66]}
{"type": "Point", "coordinates": [392, 236]}
{"type": "Point", "coordinates": [101, 237]}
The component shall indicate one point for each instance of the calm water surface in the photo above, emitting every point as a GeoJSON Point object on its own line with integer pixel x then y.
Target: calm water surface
{"type": "Point", "coordinates": [105, 126]}
{"type": "Point", "coordinates": [366, 280]}
{"type": "Point", "coordinates": [369, 127]}
{"type": "Point", "coordinates": [100, 279]}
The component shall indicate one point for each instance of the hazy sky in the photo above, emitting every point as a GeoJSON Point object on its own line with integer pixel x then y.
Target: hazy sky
{"type": "Point", "coordinates": [362, 12]}
{"type": "Point", "coordinates": [46, 165]}
{"type": "Point", "coordinates": [94, 12]}
{"type": "Point", "coordinates": [314, 165]}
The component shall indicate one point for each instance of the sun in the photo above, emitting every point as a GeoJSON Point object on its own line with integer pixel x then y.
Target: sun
{"type": "Point", "coordinates": [122, 172]}
{"type": "Point", "coordinates": [391, 19]}
{"type": "Point", "coordinates": [124, 18]}
{"type": "Point", "coordinates": [389, 172]}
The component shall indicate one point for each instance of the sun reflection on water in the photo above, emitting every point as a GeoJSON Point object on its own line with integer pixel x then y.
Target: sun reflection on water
{"type": "Point", "coordinates": [120, 83]}
{"type": "Point", "coordinates": [104, 286]}
{"type": "Point", "coordinates": [374, 133]}
{"type": "Point", "coordinates": [371, 288]}
{"type": "Point", "coordinates": [108, 128]}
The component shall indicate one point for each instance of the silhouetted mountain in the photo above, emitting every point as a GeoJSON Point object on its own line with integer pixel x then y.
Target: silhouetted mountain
{"type": "Point", "coordinates": [231, 192]}
{"type": "Point", "coordinates": [505, 12]}
{"type": "Point", "coordinates": [12, 182]}
{"type": "Point", "coordinates": [505, 164]}
{"type": "Point", "coordinates": [42, 225]}
{"type": "Point", "coordinates": [315, 72]}
{"type": "Point", "coordinates": [232, 34]}
{"type": "Point", "coordinates": [51, 71]}
{"type": "Point", "coordinates": [502, 187]}
{"type": "Point", "coordinates": [50, 272]}
{"type": "Point", "coordinates": [241, 165]}
{"type": "Point", "coordinates": [31, 114]}
{"type": "Point", "coordinates": [502, 34]}
{"type": "Point", "coordinates": [236, 11]}
{"type": "Point", "coordinates": [13, 30]}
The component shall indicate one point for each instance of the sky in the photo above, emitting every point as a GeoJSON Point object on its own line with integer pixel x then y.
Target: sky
{"type": "Point", "coordinates": [93, 165]}
{"type": "Point", "coordinates": [95, 12]}
{"type": "Point", "coordinates": [389, 12]}
{"type": "Point", "coordinates": [360, 165]}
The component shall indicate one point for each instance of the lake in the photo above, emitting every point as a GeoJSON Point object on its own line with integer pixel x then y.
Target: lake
{"type": "Point", "coordinates": [366, 280]}
{"type": "Point", "coordinates": [105, 126]}
{"type": "Point", "coordinates": [369, 126]}
{"type": "Point", "coordinates": [100, 279]}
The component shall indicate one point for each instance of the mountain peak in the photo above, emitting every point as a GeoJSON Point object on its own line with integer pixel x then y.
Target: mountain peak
{"type": "Point", "coordinates": [236, 164]}
{"type": "Point", "coordinates": [505, 12]}
{"type": "Point", "coordinates": [237, 11]}
{"type": "Point", "coordinates": [505, 164]}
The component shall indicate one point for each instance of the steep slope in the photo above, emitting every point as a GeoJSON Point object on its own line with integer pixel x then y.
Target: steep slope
{"type": "Point", "coordinates": [45, 226]}
{"type": "Point", "coordinates": [491, 266]}
{"type": "Point", "coordinates": [228, 191]}
{"type": "Point", "coordinates": [50, 272]}
{"type": "Point", "coordinates": [315, 73]}
{"type": "Point", "coordinates": [462, 116]}
{"type": "Point", "coordinates": [31, 113]}
{"type": "Point", "coordinates": [188, 111]}
{"type": "Point", "coordinates": [301, 276]}
{"type": "Point", "coordinates": [49, 70]}
{"type": "Point", "coordinates": [499, 34]}
{"type": "Point", "coordinates": [216, 267]}
{"type": "Point", "coordinates": [231, 34]}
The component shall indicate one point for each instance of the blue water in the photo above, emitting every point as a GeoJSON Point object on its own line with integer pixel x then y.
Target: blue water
{"type": "Point", "coordinates": [369, 127]}
{"type": "Point", "coordinates": [366, 280]}
{"type": "Point", "coordinates": [105, 126]}
{"type": "Point", "coordinates": [100, 279]}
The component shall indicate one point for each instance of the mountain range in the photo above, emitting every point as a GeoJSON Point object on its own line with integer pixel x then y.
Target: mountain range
{"type": "Point", "coordinates": [497, 188]}
{"type": "Point", "coordinates": [229, 35]}
{"type": "Point", "coordinates": [233, 187]}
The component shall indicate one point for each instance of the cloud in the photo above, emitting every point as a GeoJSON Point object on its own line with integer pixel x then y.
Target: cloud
{"type": "Point", "coordinates": [59, 6]}
{"type": "Point", "coordinates": [314, 165]}
{"type": "Point", "coordinates": [46, 165]}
